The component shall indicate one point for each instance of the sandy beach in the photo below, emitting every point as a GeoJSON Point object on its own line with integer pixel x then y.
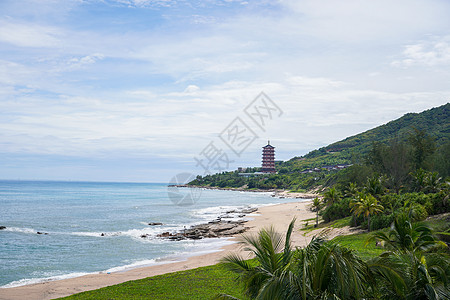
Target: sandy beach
{"type": "Point", "coordinates": [277, 215]}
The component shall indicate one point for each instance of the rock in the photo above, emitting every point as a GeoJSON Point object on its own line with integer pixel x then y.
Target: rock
{"type": "Point", "coordinates": [2, 227]}
{"type": "Point", "coordinates": [155, 223]}
{"type": "Point", "coordinates": [249, 210]}
{"type": "Point", "coordinates": [212, 229]}
{"type": "Point", "coordinates": [102, 234]}
{"type": "Point", "coordinates": [235, 230]}
{"type": "Point", "coordinates": [221, 227]}
{"type": "Point", "coordinates": [45, 233]}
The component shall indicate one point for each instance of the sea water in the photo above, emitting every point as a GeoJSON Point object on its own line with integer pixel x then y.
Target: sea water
{"type": "Point", "coordinates": [90, 227]}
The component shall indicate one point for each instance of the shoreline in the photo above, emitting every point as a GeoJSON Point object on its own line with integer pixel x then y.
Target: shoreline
{"type": "Point", "coordinates": [280, 193]}
{"type": "Point", "coordinates": [278, 215]}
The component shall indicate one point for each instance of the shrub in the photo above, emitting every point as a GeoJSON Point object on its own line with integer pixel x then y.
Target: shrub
{"type": "Point", "coordinates": [381, 221]}
{"type": "Point", "coordinates": [336, 211]}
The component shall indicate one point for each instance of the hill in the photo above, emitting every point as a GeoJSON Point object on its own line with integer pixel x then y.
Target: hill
{"type": "Point", "coordinates": [435, 122]}
{"type": "Point", "coordinates": [318, 166]}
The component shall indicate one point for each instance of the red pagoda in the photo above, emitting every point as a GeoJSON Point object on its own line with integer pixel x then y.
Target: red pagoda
{"type": "Point", "coordinates": [268, 159]}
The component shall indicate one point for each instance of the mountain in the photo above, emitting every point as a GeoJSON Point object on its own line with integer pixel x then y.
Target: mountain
{"type": "Point", "coordinates": [435, 122]}
{"type": "Point", "coordinates": [317, 167]}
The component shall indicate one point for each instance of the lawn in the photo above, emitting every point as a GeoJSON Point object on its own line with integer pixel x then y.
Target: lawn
{"type": "Point", "coordinates": [200, 283]}
{"type": "Point", "coordinates": [357, 243]}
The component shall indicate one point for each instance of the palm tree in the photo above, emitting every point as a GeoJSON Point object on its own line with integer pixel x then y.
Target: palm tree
{"type": "Point", "coordinates": [409, 270]}
{"type": "Point", "coordinates": [320, 270]}
{"type": "Point", "coordinates": [375, 186]}
{"type": "Point", "coordinates": [408, 275]}
{"type": "Point", "coordinates": [326, 270]}
{"type": "Point", "coordinates": [267, 279]}
{"type": "Point", "coordinates": [331, 196]}
{"type": "Point", "coordinates": [406, 236]}
{"type": "Point", "coordinates": [366, 205]}
{"type": "Point", "coordinates": [317, 205]}
{"type": "Point", "coordinates": [352, 190]}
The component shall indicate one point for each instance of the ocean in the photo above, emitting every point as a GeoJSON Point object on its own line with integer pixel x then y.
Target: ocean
{"type": "Point", "coordinates": [91, 227]}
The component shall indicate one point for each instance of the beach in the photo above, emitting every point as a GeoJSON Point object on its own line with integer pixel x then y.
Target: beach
{"type": "Point", "coordinates": [279, 216]}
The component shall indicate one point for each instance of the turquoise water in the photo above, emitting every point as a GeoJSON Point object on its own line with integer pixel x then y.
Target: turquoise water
{"type": "Point", "coordinates": [76, 214]}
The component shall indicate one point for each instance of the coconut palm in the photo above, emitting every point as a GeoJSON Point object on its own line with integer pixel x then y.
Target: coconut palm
{"type": "Point", "coordinates": [406, 236]}
{"type": "Point", "coordinates": [317, 205]}
{"type": "Point", "coordinates": [331, 196]}
{"type": "Point", "coordinates": [408, 275]}
{"type": "Point", "coordinates": [321, 270]}
{"type": "Point", "coordinates": [273, 254]}
{"type": "Point", "coordinates": [326, 270]}
{"type": "Point", "coordinates": [352, 190]}
{"type": "Point", "coordinates": [375, 186]}
{"type": "Point", "coordinates": [366, 205]}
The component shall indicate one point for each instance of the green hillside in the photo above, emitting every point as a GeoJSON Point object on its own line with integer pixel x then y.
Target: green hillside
{"type": "Point", "coordinates": [422, 139]}
{"type": "Point", "coordinates": [435, 122]}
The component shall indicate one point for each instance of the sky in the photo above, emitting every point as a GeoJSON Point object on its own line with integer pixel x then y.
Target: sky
{"type": "Point", "coordinates": [143, 90]}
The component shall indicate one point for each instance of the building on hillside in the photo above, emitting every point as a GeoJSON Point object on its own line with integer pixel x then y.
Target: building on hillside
{"type": "Point", "coordinates": [268, 159]}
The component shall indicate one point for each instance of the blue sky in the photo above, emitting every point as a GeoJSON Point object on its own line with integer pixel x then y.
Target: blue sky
{"type": "Point", "coordinates": [125, 90]}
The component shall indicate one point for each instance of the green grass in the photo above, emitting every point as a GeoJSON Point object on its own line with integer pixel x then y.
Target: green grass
{"type": "Point", "coordinates": [340, 223]}
{"type": "Point", "coordinates": [200, 283]}
{"type": "Point", "coordinates": [357, 243]}
{"type": "Point", "coordinates": [309, 224]}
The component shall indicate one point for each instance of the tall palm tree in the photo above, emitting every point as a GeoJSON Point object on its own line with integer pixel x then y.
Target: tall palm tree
{"type": "Point", "coordinates": [317, 205]}
{"type": "Point", "coordinates": [375, 186]}
{"type": "Point", "coordinates": [366, 205]}
{"type": "Point", "coordinates": [352, 190]}
{"type": "Point", "coordinates": [331, 196]}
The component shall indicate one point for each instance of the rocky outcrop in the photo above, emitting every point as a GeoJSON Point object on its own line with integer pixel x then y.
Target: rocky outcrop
{"type": "Point", "coordinates": [2, 227]}
{"type": "Point", "coordinates": [155, 224]}
{"type": "Point", "coordinates": [211, 230]}
{"type": "Point", "coordinates": [221, 227]}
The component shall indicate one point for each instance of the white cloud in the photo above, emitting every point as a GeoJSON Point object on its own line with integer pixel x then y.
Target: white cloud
{"type": "Point", "coordinates": [75, 63]}
{"type": "Point", "coordinates": [362, 21]}
{"type": "Point", "coordinates": [433, 53]}
{"type": "Point", "coordinates": [170, 84]}
{"type": "Point", "coordinates": [29, 35]}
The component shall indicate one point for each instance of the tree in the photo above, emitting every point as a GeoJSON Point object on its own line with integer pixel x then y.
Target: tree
{"type": "Point", "coordinates": [406, 236]}
{"type": "Point", "coordinates": [411, 276]}
{"type": "Point", "coordinates": [423, 146]}
{"type": "Point", "coordinates": [267, 279]}
{"type": "Point", "coordinates": [409, 269]}
{"type": "Point", "coordinates": [321, 270]}
{"type": "Point", "coordinates": [352, 190]}
{"type": "Point", "coordinates": [366, 205]}
{"type": "Point", "coordinates": [375, 186]}
{"type": "Point", "coordinates": [331, 196]}
{"type": "Point", "coordinates": [317, 205]}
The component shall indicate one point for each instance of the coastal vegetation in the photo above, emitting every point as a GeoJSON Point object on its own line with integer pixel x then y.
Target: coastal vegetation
{"type": "Point", "coordinates": [371, 177]}
{"type": "Point", "coordinates": [414, 265]}
{"type": "Point", "coordinates": [411, 263]}
{"type": "Point", "coordinates": [397, 149]}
